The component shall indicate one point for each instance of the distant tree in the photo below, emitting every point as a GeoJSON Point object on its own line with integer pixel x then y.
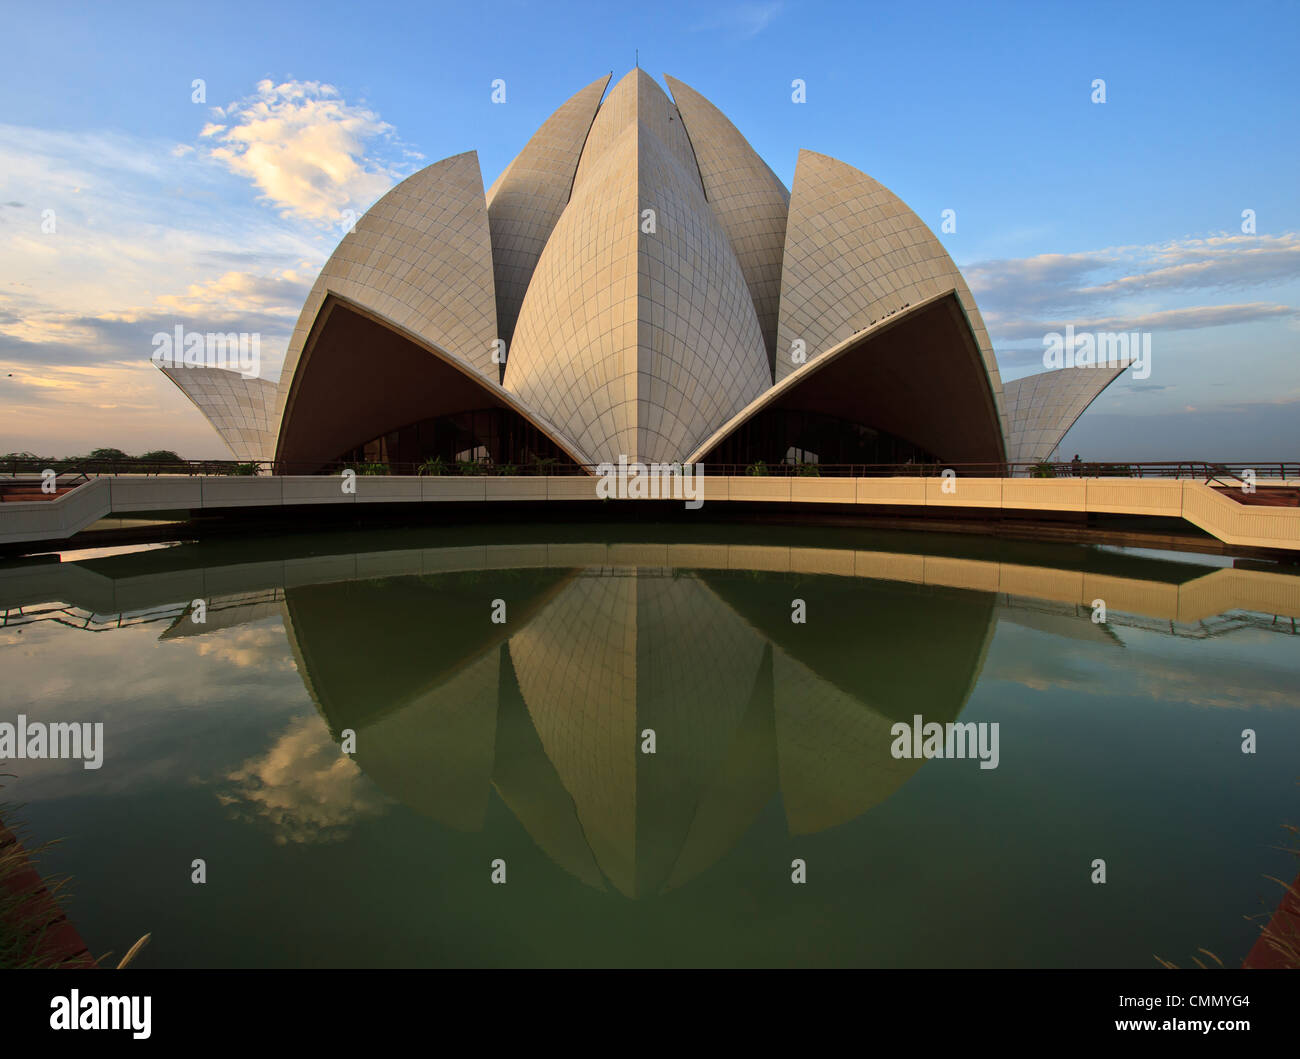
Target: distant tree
{"type": "Point", "coordinates": [22, 461]}
{"type": "Point", "coordinates": [116, 455]}
{"type": "Point", "coordinates": [542, 464]}
{"type": "Point", "coordinates": [161, 456]}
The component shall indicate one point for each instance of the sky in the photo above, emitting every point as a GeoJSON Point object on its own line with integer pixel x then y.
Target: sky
{"type": "Point", "coordinates": [132, 201]}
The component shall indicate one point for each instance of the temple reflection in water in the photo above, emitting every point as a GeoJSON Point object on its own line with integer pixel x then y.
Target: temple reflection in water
{"type": "Point", "coordinates": [604, 643]}
{"type": "Point", "coordinates": [552, 709]}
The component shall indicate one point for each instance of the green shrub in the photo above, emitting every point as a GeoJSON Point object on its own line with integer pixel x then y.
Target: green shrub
{"type": "Point", "coordinates": [469, 468]}
{"type": "Point", "coordinates": [507, 469]}
{"type": "Point", "coordinates": [808, 470]}
{"type": "Point", "coordinates": [26, 461]}
{"type": "Point", "coordinates": [435, 467]}
{"type": "Point", "coordinates": [109, 455]}
{"type": "Point", "coordinates": [1044, 470]}
{"type": "Point", "coordinates": [375, 468]}
{"type": "Point", "coordinates": [757, 469]}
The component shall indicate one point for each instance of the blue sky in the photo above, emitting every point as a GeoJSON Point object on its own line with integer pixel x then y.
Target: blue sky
{"type": "Point", "coordinates": [1126, 214]}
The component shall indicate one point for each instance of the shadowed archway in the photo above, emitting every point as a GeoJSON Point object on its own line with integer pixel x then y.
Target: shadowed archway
{"type": "Point", "coordinates": [360, 378]}
{"type": "Point", "coordinates": [918, 376]}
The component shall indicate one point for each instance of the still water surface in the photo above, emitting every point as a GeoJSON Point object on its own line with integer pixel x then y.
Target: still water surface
{"type": "Point", "coordinates": [523, 741]}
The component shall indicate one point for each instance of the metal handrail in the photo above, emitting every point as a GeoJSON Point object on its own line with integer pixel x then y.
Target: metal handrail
{"type": "Point", "coordinates": [1208, 471]}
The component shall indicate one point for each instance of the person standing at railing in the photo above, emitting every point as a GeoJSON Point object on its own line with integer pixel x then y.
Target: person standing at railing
{"type": "Point", "coordinates": [1076, 466]}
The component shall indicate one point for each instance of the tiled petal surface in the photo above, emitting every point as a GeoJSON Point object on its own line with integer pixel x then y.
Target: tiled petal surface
{"type": "Point", "coordinates": [528, 197]}
{"type": "Point", "coordinates": [637, 342]}
{"type": "Point", "coordinates": [421, 258]}
{"type": "Point", "coordinates": [1041, 408]}
{"type": "Point", "coordinates": [746, 197]}
{"type": "Point", "coordinates": [854, 253]}
{"type": "Point", "coordinates": [242, 410]}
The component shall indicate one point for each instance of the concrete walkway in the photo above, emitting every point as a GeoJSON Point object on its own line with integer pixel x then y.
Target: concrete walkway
{"type": "Point", "coordinates": [260, 585]}
{"type": "Point", "coordinates": [1207, 508]}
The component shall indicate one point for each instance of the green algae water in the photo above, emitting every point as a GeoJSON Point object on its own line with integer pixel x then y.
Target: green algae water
{"type": "Point", "coordinates": [577, 746]}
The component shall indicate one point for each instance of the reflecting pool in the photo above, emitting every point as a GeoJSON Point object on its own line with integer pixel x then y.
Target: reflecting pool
{"type": "Point", "coordinates": [623, 746]}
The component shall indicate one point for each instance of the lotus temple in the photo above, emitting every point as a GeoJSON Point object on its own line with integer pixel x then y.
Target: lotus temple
{"type": "Point", "coordinates": [638, 283]}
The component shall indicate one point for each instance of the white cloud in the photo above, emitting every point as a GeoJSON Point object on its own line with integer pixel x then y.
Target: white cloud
{"type": "Point", "coordinates": [136, 226]}
{"type": "Point", "coordinates": [1018, 295]}
{"type": "Point", "coordinates": [743, 21]}
{"type": "Point", "coordinates": [1187, 319]}
{"type": "Point", "coordinates": [1218, 262]}
{"type": "Point", "coordinates": [150, 233]}
{"type": "Point", "coordinates": [57, 673]}
{"type": "Point", "coordinates": [303, 788]}
{"type": "Point", "coordinates": [308, 151]}
{"type": "Point", "coordinates": [1157, 287]}
{"type": "Point", "coordinates": [278, 294]}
